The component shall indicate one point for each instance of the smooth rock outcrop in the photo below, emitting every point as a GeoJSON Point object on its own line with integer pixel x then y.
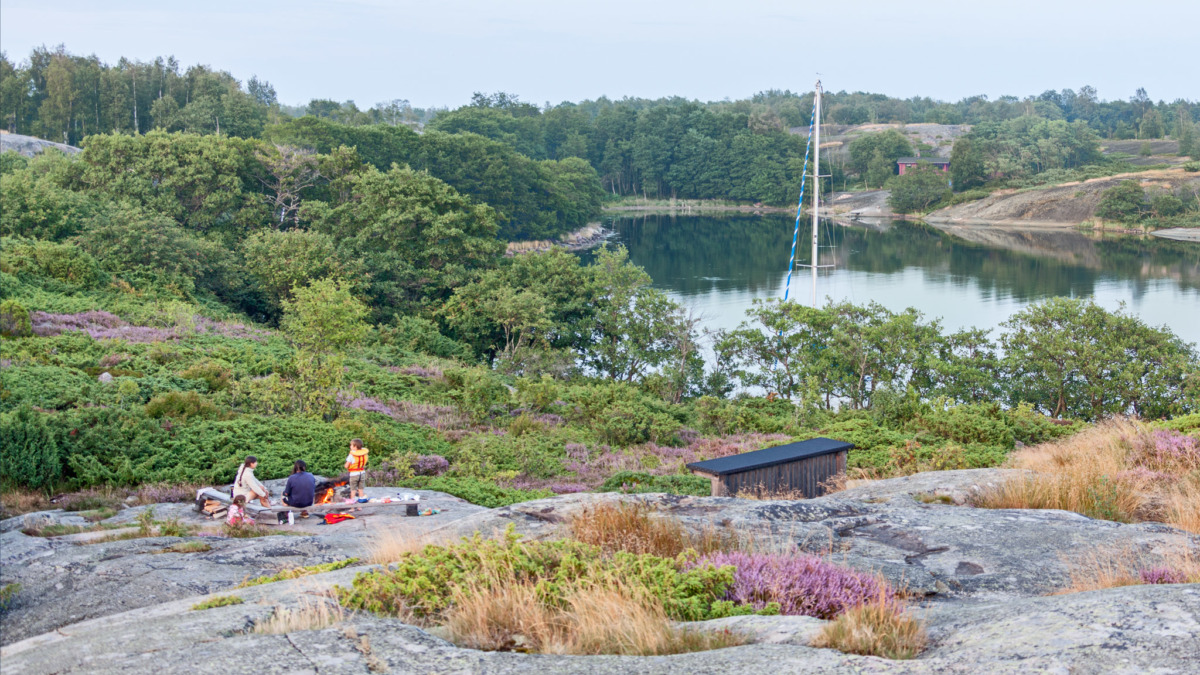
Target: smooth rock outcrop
{"type": "Point", "coordinates": [981, 578]}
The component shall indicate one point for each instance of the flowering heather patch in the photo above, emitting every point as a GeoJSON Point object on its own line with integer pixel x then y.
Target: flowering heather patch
{"type": "Point", "coordinates": [229, 329]}
{"type": "Point", "coordinates": [386, 474]}
{"type": "Point", "coordinates": [104, 325]}
{"type": "Point", "coordinates": [426, 372]}
{"type": "Point", "coordinates": [366, 404]}
{"type": "Point", "coordinates": [801, 584]}
{"type": "Point", "coordinates": [437, 417]}
{"type": "Point", "coordinates": [1170, 452]}
{"type": "Point", "coordinates": [1162, 575]}
{"type": "Point", "coordinates": [430, 465]}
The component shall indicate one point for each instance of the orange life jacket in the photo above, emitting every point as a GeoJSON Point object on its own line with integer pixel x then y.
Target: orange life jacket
{"type": "Point", "coordinates": [358, 460]}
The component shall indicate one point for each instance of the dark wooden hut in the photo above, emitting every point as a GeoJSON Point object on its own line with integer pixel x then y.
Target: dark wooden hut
{"type": "Point", "coordinates": [802, 466]}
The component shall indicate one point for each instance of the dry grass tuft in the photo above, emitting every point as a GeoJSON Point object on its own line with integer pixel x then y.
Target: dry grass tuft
{"type": "Point", "coordinates": [389, 547]}
{"type": "Point", "coordinates": [881, 627]}
{"type": "Point", "coordinates": [308, 615]}
{"type": "Point", "coordinates": [763, 493]}
{"type": "Point", "coordinates": [19, 501]}
{"type": "Point", "coordinates": [1115, 568]}
{"type": "Point", "coordinates": [1181, 506]}
{"type": "Point", "coordinates": [631, 527]}
{"type": "Point", "coordinates": [1117, 470]}
{"type": "Point", "coordinates": [595, 620]}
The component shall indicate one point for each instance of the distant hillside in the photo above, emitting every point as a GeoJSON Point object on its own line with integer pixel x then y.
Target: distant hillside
{"type": "Point", "coordinates": [1067, 203]}
{"type": "Point", "coordinates": [935, 139]}
{"type": "Point", "coordinates": [30, 145]}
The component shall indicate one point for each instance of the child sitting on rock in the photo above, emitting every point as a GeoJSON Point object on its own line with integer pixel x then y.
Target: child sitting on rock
{"type": "Point", "coordinates": [237, 512]}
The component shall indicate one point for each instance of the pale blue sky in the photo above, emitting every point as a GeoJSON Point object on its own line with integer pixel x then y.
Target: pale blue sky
{"type": "Point", "coordinates": [437, 52]}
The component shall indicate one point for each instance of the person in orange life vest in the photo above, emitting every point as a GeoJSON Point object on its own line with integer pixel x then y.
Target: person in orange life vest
{"type": "Point", "coordinates": [237, 512]}
{"type": "Point", "coordinates": [356, 464]}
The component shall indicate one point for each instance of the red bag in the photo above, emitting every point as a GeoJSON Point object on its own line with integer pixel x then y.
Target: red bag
{"type": "Point", "coordinates": [331, 518]}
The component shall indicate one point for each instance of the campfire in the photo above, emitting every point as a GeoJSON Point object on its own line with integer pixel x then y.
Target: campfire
{"type": "Point", "coordinates": [326, 490]}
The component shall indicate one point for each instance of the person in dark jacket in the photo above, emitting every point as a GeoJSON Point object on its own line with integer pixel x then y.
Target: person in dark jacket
{"type": "Point", "coordinates": [301, 488]}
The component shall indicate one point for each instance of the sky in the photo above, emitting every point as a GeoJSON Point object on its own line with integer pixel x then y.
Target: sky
{"type": "Point", "coordinates": [438, 52]}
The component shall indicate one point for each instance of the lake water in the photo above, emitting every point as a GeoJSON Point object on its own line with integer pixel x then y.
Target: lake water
{"type": "Point", "coordinates": [967, 276]}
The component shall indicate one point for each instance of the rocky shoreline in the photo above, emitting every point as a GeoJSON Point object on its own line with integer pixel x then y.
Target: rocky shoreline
{"type": "Point", "coordinates": [982, 581]}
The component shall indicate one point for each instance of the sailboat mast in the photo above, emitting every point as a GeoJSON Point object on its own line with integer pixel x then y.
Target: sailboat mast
{"type": "Point", "coordinates": [816, 198]}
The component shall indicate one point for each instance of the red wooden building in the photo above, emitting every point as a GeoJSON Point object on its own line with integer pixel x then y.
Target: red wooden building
{"type": "Point", "coordinates": [906, 163]}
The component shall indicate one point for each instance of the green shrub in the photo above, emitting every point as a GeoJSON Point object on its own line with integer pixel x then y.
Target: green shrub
{"type": "Point", "coordinates": [181, 406]}
{"type": "Point", "coordinates": [1122, 202]}
{"type": "Point", "coordinates": [214, 375]}
{"type": "Point", "coordinates": [636, 482]}
{"type": "Point", "coordinates": [1191, 166]}
{"type": "Point", "coordinates": [218, 601]}
{"type": "Point", "coordinates": [297, 572]}
{"type": "Point", "coordinates": [476, 491]}
{"type": "Point", "coordinates": [535, 454]}
{"type": "Point", "coordinates": [14, 320]}
{"type": "Point", "coordinates": [29, 453]}
{"type": "Point", "coordinates": [421, 336]}
{"type": "Point", "coordinates": [621, 415]}
{"type": "Point", "coordinates": [423, 583]}
{"type": "Point", "coordinates": [478, 393]}
{"type": "Point", "coordinates": [65, 262]}
{"type": "Point", "coordinates": [9, 591]}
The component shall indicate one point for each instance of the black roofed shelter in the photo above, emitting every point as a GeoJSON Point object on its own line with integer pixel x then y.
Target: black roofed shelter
{"type": "Point", "coordinates": [799, 466]}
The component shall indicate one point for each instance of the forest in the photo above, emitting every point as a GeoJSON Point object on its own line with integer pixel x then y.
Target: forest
{"type": "Point", "coordinates": [543, 168]}
{"type": "Point", "coordinates": [211, 275]}
{"type": "Point", "coordinates": [170, 301]}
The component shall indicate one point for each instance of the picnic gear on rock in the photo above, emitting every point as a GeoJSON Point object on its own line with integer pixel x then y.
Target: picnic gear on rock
{"type": "Point", "coordinates": [331, 518]}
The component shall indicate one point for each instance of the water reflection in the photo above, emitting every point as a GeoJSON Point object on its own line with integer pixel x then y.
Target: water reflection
{"type": "Point", "coordinates": [969, 276]}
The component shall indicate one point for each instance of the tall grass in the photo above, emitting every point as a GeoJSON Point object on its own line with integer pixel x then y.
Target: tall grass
{"type": "Point", "coordinates": [1118, 470]}
{"type": "Point", "coordinates": [1115, 568]}
{"type": "Point", "coordinates": [879, 627]}
{"type": "Point", "coordinates": [307, 615]}
{"type": "Point", "coordinates": [596, 620]}
{"type": "Point", "coordinates": [632, 527]}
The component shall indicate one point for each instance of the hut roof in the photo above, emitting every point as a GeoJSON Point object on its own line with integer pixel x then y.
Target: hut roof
{"type": "Point", "coordinates": [780, 454]}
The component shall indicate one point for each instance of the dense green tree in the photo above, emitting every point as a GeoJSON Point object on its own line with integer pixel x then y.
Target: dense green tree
{"type": "Point", "coordinates": [891, 144]}
{"type": "Point", "coordinates": [206, 183]}
{"type": "Point", "coordinates": [322, 319]}
{"type": "Point", "coordinates": [280, 261]}
{"type": "Point", "coordinates": [416, 237]}
{"type": "Point", "coordinates": [1151, 125]}
{"type": "Point", "coordinates": [879, 169]}
{"type": "Point", "coordinates": [1071, 357]}
{"type": "Point", "coordinates": [839, 353]}
{"type": "Point", "coordinates": [919, 188]}
{"type": "Point", "coordinates": [635, 329]}
{"type": "Point", "coordinates": [153, 249]}
{"type": "Point", "coordinates": [1124, 201]}
{"type": "Point", "coordinates": [33, 202]}
{"type": "Point", "coordinates": [966, 165]}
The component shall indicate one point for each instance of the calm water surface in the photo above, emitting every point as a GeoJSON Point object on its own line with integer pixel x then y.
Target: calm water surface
{"type": "Point", "coordinates": [967, 276]}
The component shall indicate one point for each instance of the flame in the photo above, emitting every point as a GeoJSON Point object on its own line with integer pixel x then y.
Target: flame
{"type": "Point", "coordinates": [326, 497]}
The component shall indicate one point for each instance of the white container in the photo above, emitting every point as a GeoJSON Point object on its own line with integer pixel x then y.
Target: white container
{"type": "Point", "coordinates": [291, 517]}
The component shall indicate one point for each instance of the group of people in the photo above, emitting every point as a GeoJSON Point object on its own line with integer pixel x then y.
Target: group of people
{"type": "Point", "coordinates": [301, 487]}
